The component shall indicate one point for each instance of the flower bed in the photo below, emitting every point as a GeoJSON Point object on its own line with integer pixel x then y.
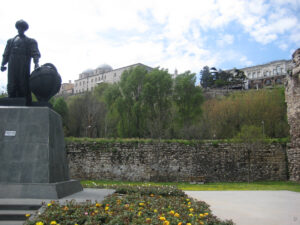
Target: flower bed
{"type": "Point", "coordinates": [134, 206]}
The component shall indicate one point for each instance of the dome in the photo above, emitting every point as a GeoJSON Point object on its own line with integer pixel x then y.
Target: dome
{"type": "Point", "coordinates": [104, 68]}
{"type": "Point", "coordinates": [88, 71]}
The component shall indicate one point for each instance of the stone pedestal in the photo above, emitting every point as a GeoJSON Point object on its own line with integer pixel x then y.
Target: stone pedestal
{"type": "Point", "coordinates": [33, 161]}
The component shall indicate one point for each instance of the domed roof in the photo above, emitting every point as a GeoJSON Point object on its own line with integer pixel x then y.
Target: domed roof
{"type": "Point", "coordinates": [105, 67]}
{"type": "Point", "coordinates": [87, 71]}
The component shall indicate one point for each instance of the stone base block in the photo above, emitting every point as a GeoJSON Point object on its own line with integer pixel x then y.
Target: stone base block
{"type": "Point", "coordinates": [40, 190]}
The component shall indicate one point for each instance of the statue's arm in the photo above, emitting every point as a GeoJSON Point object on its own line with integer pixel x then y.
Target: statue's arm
{"type": "Point", "coordinates": [35, 53]}
{"type": "Point", "coordinates": [6, 55]}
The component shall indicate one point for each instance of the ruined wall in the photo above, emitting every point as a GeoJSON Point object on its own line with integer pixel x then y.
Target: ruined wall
{"type": "Point", "coordinates": [292, 98]}
{"type": "Point", "coordinates": [177, 162]}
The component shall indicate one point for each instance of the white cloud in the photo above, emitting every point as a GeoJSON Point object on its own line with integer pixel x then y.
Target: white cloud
{"type": "Point", "coordinates": [225, 39]}
{"type": "Point", "coordinates": [283, 46]}
{"type": "Point", "coordinates": [76, 35]}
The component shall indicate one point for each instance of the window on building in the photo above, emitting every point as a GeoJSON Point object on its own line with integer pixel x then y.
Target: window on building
{"type": "Point", "coordinates": [267, 73]}
{"type": "Point", "coordinates": [92, 80]}
{"type": "Point", "coordinates": [258, 73]}
{"type": "Point", "coordinates": [278, 70]}
{"type": "Point", "coordinates": [268, 82]}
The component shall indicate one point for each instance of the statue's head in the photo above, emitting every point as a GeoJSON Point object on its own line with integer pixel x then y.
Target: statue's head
{"type": "Point", "coordinates": [22, 26]}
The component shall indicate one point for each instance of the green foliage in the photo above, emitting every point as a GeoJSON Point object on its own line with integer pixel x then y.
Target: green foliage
{"type": "Point", "coordinates": [221, 78]}
{"type": "Point", "coordinates": [60, 106]}
{"type": "Point", "coordinates": [250, 133]}
{"type": "Point", "coordinates": [156, 100]}
{"type": "Point", "coordinates": [124, 101]}
{"type": "Point", "coordinates": [131, 208]}
{"type": "Point", "coordinates": [207, 79]}
{"type": "Point", "coordinates": [187, 98]}
{"type": "Point", "coordinates": [266, 108]}
{"type": "Point", "coordinates": [3, 95]}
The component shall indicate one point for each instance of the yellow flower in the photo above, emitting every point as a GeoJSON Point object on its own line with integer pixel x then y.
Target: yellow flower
{"type": "Point", "coordinates": [106, 208]}
{"type": "Point", "coordinates": [126, 205]}
{"type": "Point", "coordinates": [142, 204]}
{"type": "Point", "coordinates": [201, 222]}
{"type": "Point", "coordinates": [180, 223]}
{"type": "Point", "coordinates": [172, 212]}
{"type": "Point", "coordinates": [189, 203]}
{"type": "Point", "coordinates": [162, 218]}
{"type": "Point", "coordinates": [206, 214]}
{"type": "Point", "coordinates": [191, 214]}
{"type": "Point", "coordinates": [53, 222]}
{"type": "Point", "coordinates": [188, 224]}
{"type": "Point", "coordinates": [166, 222]}
{"type": "Point", "coordinates": [49, 204]}
{"type": "Point", "coordinates": [191, 210]}
{"type": "Point", "coordinates": [98, 204]}
{"type": "Point", "coordinates": [187, 199]}
{"type": "Point", "coordinates": [152, 195]}
{"type": "Point", "coordinates": [39, 223]}
{"type": "Point", "coordinates": [176, 215]}
{"type": "Point", "coordinates": [155, 210]}
{"type": "Point", "coordinates": [139, 213]}
{"type": "Point", "coordinates": [27, 215]}
{"type": "Point", "coordinates": [148, 220]}
{"type": "Point", "coordinates": [201, 215]}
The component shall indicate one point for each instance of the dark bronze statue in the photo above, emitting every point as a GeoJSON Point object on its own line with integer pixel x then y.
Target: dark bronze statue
{"type": "Point", "coordinates": [18, 53]}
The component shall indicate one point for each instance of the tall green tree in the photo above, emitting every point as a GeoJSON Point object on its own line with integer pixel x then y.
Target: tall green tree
{"type": "Point", "coordinates": [187, 98]}
{"type": "Point", "coordinates": [156, 101]}
{"type": "Point", "coordinates": [60, 106]}
{"type": "Point", "coordinates": [207, 79]}
{"type": "Point", "coordinates": [126, 96]}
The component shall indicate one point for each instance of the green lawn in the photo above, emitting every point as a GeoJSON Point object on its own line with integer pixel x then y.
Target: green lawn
{"type": "Point", "coordinates": [268, 185]}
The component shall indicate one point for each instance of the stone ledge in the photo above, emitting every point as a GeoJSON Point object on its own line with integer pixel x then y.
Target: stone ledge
{"type": "Point", "coordinates": [40, 190]}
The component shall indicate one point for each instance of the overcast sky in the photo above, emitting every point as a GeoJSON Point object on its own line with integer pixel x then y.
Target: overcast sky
{"type": "Point", "coordinates": [77, 35]}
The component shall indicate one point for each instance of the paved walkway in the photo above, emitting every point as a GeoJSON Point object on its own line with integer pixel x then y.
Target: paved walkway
{"type": "Point", "coordinates": [253, 207]}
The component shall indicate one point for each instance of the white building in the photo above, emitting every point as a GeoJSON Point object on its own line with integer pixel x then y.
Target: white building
{"type": "Point", "coordinates": [267, 74]}
{"type": "Point", "coordinates": [89, 79]}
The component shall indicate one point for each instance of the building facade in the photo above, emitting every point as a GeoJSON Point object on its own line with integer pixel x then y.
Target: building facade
{"type": "Point", "coordinates": [268, 74]}
{"type": "Point", "coordinates": [66, 88]}
{"type": "Point", "coordinates": [89, 79]}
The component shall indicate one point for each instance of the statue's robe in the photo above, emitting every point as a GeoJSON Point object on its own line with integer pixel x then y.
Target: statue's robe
{"type": "Point", "coordinates": [18, 53]}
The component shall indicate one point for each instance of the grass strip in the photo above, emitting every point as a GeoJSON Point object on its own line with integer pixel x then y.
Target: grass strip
{"type": "Point", "coordinates": [239, 186]}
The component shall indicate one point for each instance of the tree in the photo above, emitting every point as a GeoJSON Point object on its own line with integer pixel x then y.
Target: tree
{"type": "Point", "coordinates": [156, 98]}
{"type": "Point", "coordinates": [207, 79]}
{"type": "Point", "coordinates": [187, 98]}
{"type": "Point", "coordinates": [125, 101]}
{"type": "Point", "coordinates": [60, 106]}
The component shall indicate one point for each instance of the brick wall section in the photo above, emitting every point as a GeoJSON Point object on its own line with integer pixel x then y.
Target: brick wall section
{"type": "Point", "coordinates": [292, 98]}
{"type": "Point", "coordinates": [226, 162]}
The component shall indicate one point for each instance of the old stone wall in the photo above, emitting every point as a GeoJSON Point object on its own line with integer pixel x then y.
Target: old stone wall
{"type": "Point", "coordinates": [177, 162]}
{"type": "Point", "coordinates": [292, 98]}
